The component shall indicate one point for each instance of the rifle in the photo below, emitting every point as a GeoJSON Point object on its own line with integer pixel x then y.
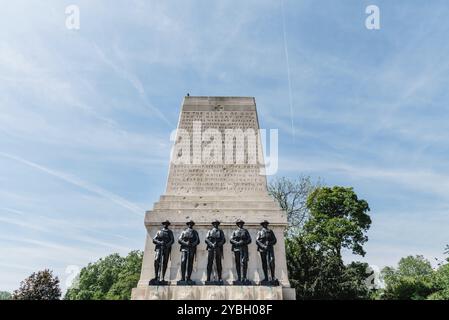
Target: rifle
{"type": "Point", "coordinates": [161, 263]}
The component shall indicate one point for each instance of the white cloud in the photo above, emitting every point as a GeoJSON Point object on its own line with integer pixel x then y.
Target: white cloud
{"type": "Point", "coordinates": [80, 183]}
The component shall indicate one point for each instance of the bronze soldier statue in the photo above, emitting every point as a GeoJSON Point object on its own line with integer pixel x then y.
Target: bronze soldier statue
{"type": "Point", "coordinates": [215, 240]}
{"type": "Point", "coordinates": [188, 240]}
{"type": "Point", "coordinates": [163, 241]}
{"type": "Point", "coordinates": [265, 241]}
{"type": "Point", "coordinates": [240, 240]}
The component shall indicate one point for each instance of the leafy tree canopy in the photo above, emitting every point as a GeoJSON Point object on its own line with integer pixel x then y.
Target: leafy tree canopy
{"type": "Point", "coordinates": [5, 295]}
{"type": "Point", "coordinates": [412, 279]}
{"type": "Point", "coordinates": [338, 219]}
{"type": "Point", "coordinates": [440, 283]}
{"type": "Point", "coordinates": [110, 278]}
{"type": "Point", "coordinates": [40, 285]}
{"type": "Point", "coordinates": [317, 274]}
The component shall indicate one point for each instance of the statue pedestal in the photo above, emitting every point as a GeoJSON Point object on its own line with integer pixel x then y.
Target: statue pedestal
{"type": "Point", "coordinates": [227, 209]}
{"type": "Point", "coordinates": [213, 293]}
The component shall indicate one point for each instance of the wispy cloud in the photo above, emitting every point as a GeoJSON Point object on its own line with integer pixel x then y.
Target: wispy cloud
{"type": "Point", "coordinates": [133, 80]}
{"type": "Point", "coordinates": [426, 181]}
{"type": "Point", "coordinates": [287, 62]}
{"type": "Point", "coordinates": [80, 183]}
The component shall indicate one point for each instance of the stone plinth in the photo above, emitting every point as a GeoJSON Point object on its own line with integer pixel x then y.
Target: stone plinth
{"type": "Point", "coordinates": [212, 293]}
{"type": "Point", "coordinates": [203, 212]}
{"type": "Point", "coordinates": [207, 191]}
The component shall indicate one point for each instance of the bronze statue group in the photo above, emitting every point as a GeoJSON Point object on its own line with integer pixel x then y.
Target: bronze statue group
{"type": "Point", "coordinates": [215, 239]}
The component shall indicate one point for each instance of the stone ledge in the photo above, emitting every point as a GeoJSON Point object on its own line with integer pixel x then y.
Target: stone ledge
{"type": "Point", "coordinates": [227, 218]}
{"type": "Point", "coordinates": [203, 205]}
{"type": "Point", "coordinates": [234, 212]}
{"type": "Point", "coordinates": [212, 293]}
{"type": "Point", "coordinates": [260, 196]}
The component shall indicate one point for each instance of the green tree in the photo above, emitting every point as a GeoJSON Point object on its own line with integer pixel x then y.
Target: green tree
{"type": "Point", "coordinates": [440, 283]}
{"type": "Point", "coordinates": [127, 278]}
{"type": "Point", "coordinates": [5, 295]}
{"type": "Point", "coordinates": [411, 280]}
{"type": "Point", "coordinates": [354, 281]}
{"type": "Point", "coordinates": [111, 277]}
{"type": "Point", "coordinates": [40, 285]}
{"type": "Point", "coordinates": [338, 219]}
{"type": "Point", "coordinates": [440, 280]}
{"type": "Point", "coordinates": [319, 274]}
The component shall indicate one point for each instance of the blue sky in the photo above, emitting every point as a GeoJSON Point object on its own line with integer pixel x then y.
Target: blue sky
{"type": "Point", "coordinates": [85, 115]}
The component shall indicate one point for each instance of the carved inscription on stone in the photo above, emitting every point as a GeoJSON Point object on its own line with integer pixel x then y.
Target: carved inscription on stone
{"type": "Point", "coordinates": [225, 176]}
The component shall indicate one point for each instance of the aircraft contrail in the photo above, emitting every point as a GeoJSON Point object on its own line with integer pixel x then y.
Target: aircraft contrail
{"type": "Point", "coordinates": [79, 183]}
{"type": "Point", "coordinates": [288, 68]}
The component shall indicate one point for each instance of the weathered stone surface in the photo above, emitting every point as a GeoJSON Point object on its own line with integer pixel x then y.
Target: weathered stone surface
{"type": "Point", "coordinates": [220, 113]}
{"type": "Point", "coordinates": [212, 293]}
{"type": "Point", "coordinates": [204, 192]}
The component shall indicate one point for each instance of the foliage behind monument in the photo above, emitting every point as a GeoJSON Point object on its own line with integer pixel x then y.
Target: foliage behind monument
{"type": "Point", "coordinates": [110, 278]}
{"type": "Point", "coordinates": [41, 285]}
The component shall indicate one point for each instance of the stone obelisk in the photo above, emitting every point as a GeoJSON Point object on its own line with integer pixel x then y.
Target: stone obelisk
{"type": "Point", "coordinates": [207, 180]}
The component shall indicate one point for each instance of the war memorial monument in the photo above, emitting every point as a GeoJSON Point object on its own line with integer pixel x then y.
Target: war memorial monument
{"type": "Point", "coordinates": [215, 234]}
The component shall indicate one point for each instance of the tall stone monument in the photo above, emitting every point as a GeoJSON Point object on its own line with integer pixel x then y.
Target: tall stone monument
{"type": "Point", "coordinates": [214, 175]}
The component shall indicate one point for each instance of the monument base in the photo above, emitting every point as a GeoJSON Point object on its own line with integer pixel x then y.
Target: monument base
{"type": "Point", "coordinates": [155, 282]}
{"type": "Point", "coordinates": [186, 283]}
{"type": "Point", "coordinates": [274, 283]}
{"type": "Point", "coordinates": [213, 293]}
{"type": "Point", "coordinates": [214, 283]}
{"type": "Point", "coordinates": [242, 283]}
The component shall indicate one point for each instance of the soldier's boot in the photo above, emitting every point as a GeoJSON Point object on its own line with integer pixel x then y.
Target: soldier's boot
{"type": "Point", "coordinates": [272, 269]}
{"type": "Point", "coordinates": [190, 269]}
{"type": "Point", "coordinates": [156, 270]}
{"type": "Point", "coordinates": [265, 272]}
{"type": "Point", "coordinates": [219, 269]}
{"type": "Point", "coordinates": [245, 271]}
{"type": "Point", "coordinates": [210, 262]}
{"type": "Point", "coordinates": [164, 269]}
{"type": "Point", "coordinates": [183, 271]}
{"type": "Point", "coordinates": [263, 257]}
{"type": "Point", "coordinates": [238, 267]}
{"type": "Point", "coordinates": [209, 272]}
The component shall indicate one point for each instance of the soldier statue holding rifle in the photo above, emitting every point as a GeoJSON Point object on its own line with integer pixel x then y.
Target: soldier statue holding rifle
{"type": "Point", "coordinates": [215, 239]}
{"type": "Point", "coordinates": [265, 242]}
{"type": "Point", "coordinates": [240, 240]}
{"type": "Point", "coordinates": [163, 241]}
{"type": "Point", "coordinates": [188, 240]}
